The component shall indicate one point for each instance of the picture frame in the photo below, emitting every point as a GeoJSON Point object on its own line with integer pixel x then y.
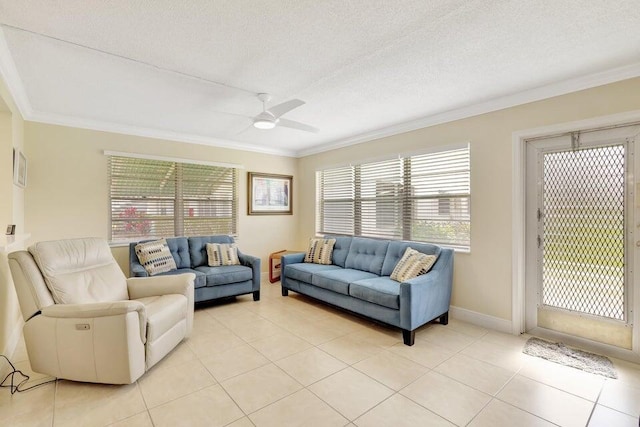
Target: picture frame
{"type": "Point", "coordinates": [19, 169]}
{"type": "Point", "coordinates": [269, 194]}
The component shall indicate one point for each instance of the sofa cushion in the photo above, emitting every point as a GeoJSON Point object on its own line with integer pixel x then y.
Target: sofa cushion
{"type": "Point", "coordinates": [304, 271]}
{"type": "Point", "coordinates": [380, 290]}
{"type": "Point", "coordinates": [338, 280]}
{"type": "Point", "coordinates": [367, 254]}
{"type": "Point", "coordinates": [319, 251]}
{"type": "Point", "coordinates": [222, 254]}
{"type": "Point", "coordinates": [155, 257]}
{"type": "Point", "coordinates": [200, 280]}
{"type": "Point", "coordinates": [397, 249]}
{"type": "Point", "coordinates": [412, 264]}
{"type": "Point", "coordinates": [340, 249]}
{"type": "Point", "coordinates": [226, 274]}
{"type": "Point", "coordinates": [179, 247]}
{"type": "Point", "coordinates": [198, 248]}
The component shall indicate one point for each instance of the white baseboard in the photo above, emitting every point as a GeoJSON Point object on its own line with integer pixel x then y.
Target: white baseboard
{"type": "Point", "coordinates": [480, 319]}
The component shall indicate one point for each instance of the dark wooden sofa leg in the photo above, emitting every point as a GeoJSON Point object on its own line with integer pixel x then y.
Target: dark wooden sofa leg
{"type": "Point", "coordinates": [256, 295]}
{"type": "Point", "coordinates": [409, 337]}
{"type": "Point", "coordinates": [444, 319]}
{"type": "Point", "coordinates": [285, 292]}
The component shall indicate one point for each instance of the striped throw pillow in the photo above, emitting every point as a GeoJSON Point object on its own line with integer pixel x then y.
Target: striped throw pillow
{"type": "Point", "coordinates": [412, 264]}
{"type": "Point", "coordinates": [222, 254]}
{"type": "Point", "coordinates": [155, 257]}
{"type": "Point", "coordinates": [320, 251]}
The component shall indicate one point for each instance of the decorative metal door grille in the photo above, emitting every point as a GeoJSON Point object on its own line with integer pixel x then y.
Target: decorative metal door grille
{"type": "Point", "coordinates": [583, 249]}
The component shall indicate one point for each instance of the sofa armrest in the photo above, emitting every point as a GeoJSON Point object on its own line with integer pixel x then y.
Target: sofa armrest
{"type": "Point", "coordinates": [255, 264]}
{"type": "Point", "coordinates": [287, 260]}
{"type": "Point", "coordinates": [99, 309]}
{"type": "Point", "coordinates": [427, 296]}
{"type": "Point", "coordinates": [182, 284]}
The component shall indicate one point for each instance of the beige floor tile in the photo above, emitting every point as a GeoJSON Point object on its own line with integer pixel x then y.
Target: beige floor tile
{"type": "Point", "coordinates": [245, 318]}
{"type": "Point", "coordinates": [345, 324]}
{"type": "Point", "coordinates": [204, 323]}
{"type": "Point", "coordinates": [628, 373]}
{"type": "Point", "coordinates": [423, 352]}
{"type": "Point", "coordinates": [475, 373]}
{"type": "Point", "coordinates": [301, 409]}
{"type": "Point", "coordinates": [546, 402]}
{"type": "Point", "coordinates": [242, 422]}
{"type": "Point", "coordinates": [498, 413]}
{"type": "Point", "coordinates": [215, 342]}
{"type": "Point", "coordinates": [446, 337]}
{"type": "Point", "coordinates": [574, 381]}
{"type": "Point", "coordinates": [20, 353]}
{"type": "Point", "coordinates": [209, 407]}
{"type": "Point", "coordinates": [280, 346]}
{"type": "Point", "coordinates": [467, 328]}
{"type": "Point", "coordinates": [350, 392]}
{"type": "Point", "coordinates": [23, 408]}
{"type": "Point", "coordinates": [446, 397]}
{"type": "Point", "coordinates": [391, 369]}
{"type": "Point", "coordinates": [310, 365]}
{"type": "Point", "coordinates": [253, 331]}
{"type": "Point", "coordinates": [621, 397]}
{"type": "Point", "coordinates": [497, 355]}
{"type": "Point", "coordinates": [260, 387]}
{"type": "Point", "coordinates": [350, 348]}
{"type": "Point", "coordinates": [181, 354]}
{"type": "Point", "coordinates": [139, 420]}
{"type": "Point", "coordinates": [85, 404]}
{"type": "Point", "coordinates": [235, 361]}
{"type": "Point", "coordinates": [380, 336]}
{"type": "Point", "coordinates": [313, 333]}
{"type": "Point", "coordinates": [398, 411]}
{"type": "Point", "coordinates": [606, 417]}
{"type": "Point", "coordinates": [162, 384]}
{"type": "Point", "coordinates": [516, 342]}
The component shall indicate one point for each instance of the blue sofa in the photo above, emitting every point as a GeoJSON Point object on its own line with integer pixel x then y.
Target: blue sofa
{"type": "Point", "coordinates": [358, 280]}
{"type": "Point", "coordinates": [190, 255]}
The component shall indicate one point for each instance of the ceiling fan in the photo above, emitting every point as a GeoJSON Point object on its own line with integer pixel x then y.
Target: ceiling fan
{"type": "Point", "coordinates": [272, 117]}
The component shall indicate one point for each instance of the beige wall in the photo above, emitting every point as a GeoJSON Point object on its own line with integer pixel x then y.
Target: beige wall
{"type": "Point", "coordinates": [11, 212]}
{"type": "Point", "coordinates": [482, 278]}
{"type": "Point", "coordinates": [67, 194]}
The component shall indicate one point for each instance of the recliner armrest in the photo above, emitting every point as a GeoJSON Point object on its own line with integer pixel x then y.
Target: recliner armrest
{"type": "Point", "coordinates": [99, 309]}
{"type": "Point", "coordinates": [182, 284]}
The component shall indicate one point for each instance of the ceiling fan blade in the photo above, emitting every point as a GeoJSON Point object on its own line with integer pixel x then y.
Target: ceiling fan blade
{"type": "Point", "coordinates": [297, 125]}
{"type": "Point", "coordinates": [285, 107]}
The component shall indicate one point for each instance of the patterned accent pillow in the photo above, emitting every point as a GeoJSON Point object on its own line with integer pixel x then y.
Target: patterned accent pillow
{"type": "Point", "coordinates": [412, 264]}
{"type": "Point", "coordinates": [155, 257]}
{"type": "Point", "coordinates": [222, 254]}
{"type": "Point", "coordinates": [320, 251]}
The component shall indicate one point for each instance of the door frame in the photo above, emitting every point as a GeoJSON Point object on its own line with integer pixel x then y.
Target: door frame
{"type": "Point", "coordinates": [518, 224]}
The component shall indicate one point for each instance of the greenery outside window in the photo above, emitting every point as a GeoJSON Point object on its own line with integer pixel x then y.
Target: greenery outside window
{"type": "Point", "coordinates": [422, 198]}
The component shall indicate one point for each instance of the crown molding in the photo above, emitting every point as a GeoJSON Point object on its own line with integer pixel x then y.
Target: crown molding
{"type": "Point", "coordinates": [9, 74]}
{"type": "Point", "coordinates": [84, 123]}
{"type": "Point", "coordinates": [524, 97]}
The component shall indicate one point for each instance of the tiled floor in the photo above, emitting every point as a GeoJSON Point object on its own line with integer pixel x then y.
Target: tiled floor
{"type": "Point", "coordinates": [294, 362]}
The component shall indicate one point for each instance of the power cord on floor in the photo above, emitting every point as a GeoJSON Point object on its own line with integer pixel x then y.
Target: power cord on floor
{"type": "Point", "coordinates": [11, 377]}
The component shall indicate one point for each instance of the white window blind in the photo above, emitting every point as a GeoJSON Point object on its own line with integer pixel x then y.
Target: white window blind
{"type": "Point", "coordinates": [422, 198]}
{"type": "Point", "coordinates": [153, 198]}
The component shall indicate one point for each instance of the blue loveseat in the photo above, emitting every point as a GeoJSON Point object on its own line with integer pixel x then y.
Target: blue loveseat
{"type": "Point", "coordinates": [190, 255]}
{"type": "Point", "coordinates": [358, 280]}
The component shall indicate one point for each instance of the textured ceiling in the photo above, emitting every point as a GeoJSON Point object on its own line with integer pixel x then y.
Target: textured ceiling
{"type": "Point", "coordinates": [176, 68]}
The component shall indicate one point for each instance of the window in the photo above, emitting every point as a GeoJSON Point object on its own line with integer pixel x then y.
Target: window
{"type": "Point", "coordinates": [421, 198]}
{"type": "Point", "coordinates": [154, 198]}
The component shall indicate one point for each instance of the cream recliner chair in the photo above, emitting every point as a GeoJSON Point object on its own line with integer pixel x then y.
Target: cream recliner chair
{"type": "Point", "coordinates": [85, 321]}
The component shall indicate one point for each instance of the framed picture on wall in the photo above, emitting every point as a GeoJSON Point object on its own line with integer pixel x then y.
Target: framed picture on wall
{"type": "Point", "coordinates": [19, 168]}
{"type": "Point", "coordinates": [270, 194]}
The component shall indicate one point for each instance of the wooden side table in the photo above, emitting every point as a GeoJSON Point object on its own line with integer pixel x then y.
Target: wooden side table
{"type": "Point", "coordinates": [274, 264]}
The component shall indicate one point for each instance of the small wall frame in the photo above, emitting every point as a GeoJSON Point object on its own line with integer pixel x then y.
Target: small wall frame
{"type": "Point", "coordinates": [269, 194]}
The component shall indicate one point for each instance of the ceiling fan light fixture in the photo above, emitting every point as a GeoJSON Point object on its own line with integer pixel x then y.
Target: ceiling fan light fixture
{"type": "Point", "coordinates": [260, 123]}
